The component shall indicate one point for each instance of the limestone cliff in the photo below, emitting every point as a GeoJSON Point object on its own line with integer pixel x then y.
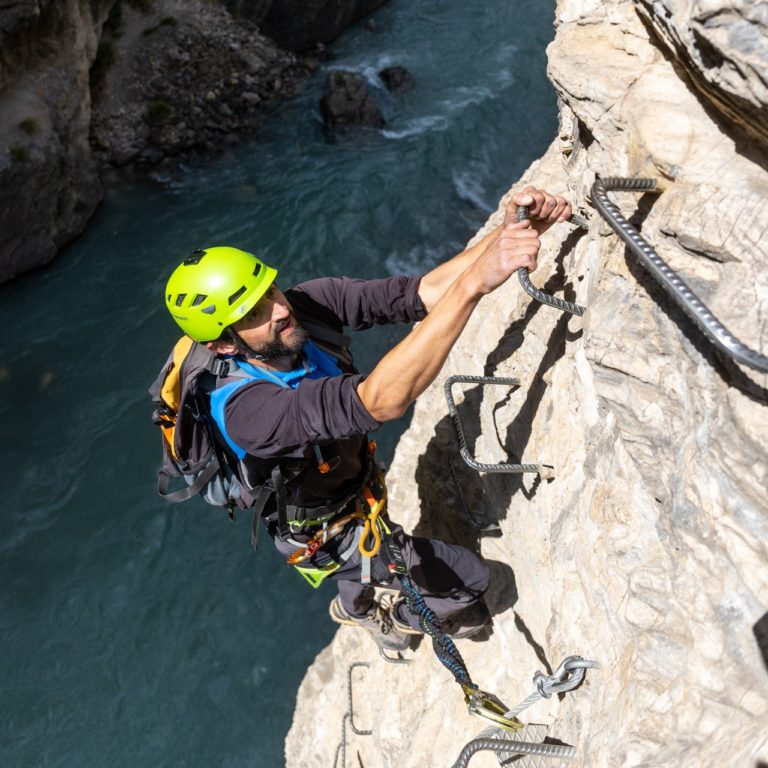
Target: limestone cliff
{"type": "Point", "coordinates": [648, 551]}
{"type": "Point", "coordinates": [49, 185]}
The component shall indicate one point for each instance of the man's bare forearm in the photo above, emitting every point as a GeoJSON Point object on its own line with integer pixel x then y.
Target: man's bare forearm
{"type": "Point", "coordinates": [450, 293]}
{"type": "Point", "coordinates": [410, 367]}
{"type": "Point", "coordinates": [435, 283]}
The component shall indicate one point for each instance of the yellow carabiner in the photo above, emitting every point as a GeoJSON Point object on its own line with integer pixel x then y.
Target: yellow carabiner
{"type": "Point", "coordinates": [371, 525]}
{"type": "Point", "coordinates": [487, 706]}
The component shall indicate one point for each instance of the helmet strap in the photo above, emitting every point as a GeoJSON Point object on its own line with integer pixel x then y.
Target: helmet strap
{"type": "Point", "coordinates": [243, 348]}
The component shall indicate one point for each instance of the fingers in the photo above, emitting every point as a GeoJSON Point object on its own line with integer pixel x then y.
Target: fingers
{"type": "Point", "coordinates": [541, 206]}
{"type": "Point", "coordinates": [510, 214]}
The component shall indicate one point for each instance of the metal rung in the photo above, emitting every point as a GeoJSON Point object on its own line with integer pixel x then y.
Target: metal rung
{"type": "Point", "coordinates": [543, 470]}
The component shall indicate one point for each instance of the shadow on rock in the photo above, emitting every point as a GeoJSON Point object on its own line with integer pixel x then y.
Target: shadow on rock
{"type": "Point", "coordinates": [760, 631]}
{"type": "Point", "coordinates": [502, 587]}
{"type": "Point", "coordinates": [457, 504]}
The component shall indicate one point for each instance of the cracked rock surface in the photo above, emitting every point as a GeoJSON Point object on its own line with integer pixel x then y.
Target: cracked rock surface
{"type": "Point", "coordinates": [648, 551]}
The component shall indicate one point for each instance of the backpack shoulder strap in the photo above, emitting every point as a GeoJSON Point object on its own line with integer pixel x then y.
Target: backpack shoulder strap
{"type": "Point", "coordinates": [321, 332]}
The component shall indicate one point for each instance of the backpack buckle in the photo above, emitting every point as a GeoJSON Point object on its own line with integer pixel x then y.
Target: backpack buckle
{"type": "Point", "coordinates": [219, 367]}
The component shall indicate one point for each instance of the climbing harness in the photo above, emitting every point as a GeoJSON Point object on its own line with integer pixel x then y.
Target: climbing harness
{"type": "Point", "coordinates": [569, 675]}
{"type": "Point", "coordinates": [349, 717]}
{"type": "Point", "coordinates": [528, 286]}
{"type": "Point", "coordinates": [672, 283]}
{"type": "Point", "coordinates": [303, 553]}
{"type": "Point", "coordinates": [374, 495]}
{"type": "Point", "coordinates": [540, 469]}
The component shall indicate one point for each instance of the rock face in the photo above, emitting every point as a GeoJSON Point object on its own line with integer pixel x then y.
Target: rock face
{"type": "Point", "coordinates": [49, 185]}
{"type": "Point", "coordinates": [347, 101]}
{"type": "Point", "coordinates": [724, 47]}
{"type": "Point", "coordinates": [648, 551]}
{"type": "Point", "coordinates": [300, 24]}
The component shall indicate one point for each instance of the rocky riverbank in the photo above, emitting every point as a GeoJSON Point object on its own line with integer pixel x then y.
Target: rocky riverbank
{"type": "Point", "coordinates": [184, 79]}
{"type": "Point", "coordinates": [88, 86]}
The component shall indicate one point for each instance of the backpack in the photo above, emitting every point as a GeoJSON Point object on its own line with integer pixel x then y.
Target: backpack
{"type": "Point", "coordinates": [192, 451]}
{"type": "Point", "coordinates": [195, 455]}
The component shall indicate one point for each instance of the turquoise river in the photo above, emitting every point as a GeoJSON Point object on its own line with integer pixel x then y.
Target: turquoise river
{"type": "Point", "coordinates": [136, 634]}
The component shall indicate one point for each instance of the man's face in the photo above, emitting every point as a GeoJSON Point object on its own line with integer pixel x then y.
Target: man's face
{"type": "Point", "coordinates": [270, 329]}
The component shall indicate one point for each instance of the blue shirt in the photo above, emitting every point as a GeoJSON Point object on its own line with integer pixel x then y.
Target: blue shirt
{"type": "Point", "coordinates": [317, 364]}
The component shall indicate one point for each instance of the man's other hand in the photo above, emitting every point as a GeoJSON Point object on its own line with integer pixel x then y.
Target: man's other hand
{"type": "Point", "coordinates": [544, 209]}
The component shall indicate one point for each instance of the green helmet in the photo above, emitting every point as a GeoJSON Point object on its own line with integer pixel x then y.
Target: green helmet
{"type": "Point", "coordinates": [214, 288]}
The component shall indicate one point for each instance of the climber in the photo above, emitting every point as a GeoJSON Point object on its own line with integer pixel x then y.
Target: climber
{"type": "Point", "coordinates": [296, 417]}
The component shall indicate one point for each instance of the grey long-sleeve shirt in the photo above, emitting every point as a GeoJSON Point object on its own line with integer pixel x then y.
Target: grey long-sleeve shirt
{"type": "Point", "coordinates": [269, 421]}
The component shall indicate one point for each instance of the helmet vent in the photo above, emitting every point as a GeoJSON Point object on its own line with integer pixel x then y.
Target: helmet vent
{"type": "Point", "coordinates": [194, 258]}
{"type": "Point", "coordinates": [180, 299]}
{"type": "Point", "coordinates": [257, 269]}
{"type": "Point", "coordinates": [209, 310]}
{"type": "Point", "coordinates": [198, 300]}
{"type": "Point", "coordinates": [236, 295]}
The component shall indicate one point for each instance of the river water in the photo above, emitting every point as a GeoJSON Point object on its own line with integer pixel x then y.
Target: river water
{"type": "Point", "coordinates": [135, 634]}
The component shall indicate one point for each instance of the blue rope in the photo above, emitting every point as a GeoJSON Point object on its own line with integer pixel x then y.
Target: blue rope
{"type": "Point", "coordinates": [445, 649]}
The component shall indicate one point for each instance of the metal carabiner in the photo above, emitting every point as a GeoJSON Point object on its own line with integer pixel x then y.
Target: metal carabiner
{"type": "Point", "coordinates": [566, 677]}
{"type": "Point", "coordinates": [322, 537]}
{"type": "Point", "coordinates": [488, 707]}
{"type": "Point", "coordinates": [371, 525]}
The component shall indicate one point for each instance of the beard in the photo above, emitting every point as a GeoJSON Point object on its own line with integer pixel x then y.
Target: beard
{"type": "Point", "coordinates": [279, 347]}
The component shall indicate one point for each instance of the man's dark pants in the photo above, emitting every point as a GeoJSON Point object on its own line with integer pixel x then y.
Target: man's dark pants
{"type": "Point", "coordinates": [449, 577]}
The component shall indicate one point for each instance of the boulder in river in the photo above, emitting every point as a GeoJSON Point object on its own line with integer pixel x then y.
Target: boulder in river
{"type": "Point", "coordinates": [347, 101]}
{"type": "Point", "coordinates": [397, 78]}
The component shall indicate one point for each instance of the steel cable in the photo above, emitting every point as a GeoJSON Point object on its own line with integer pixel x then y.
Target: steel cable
{"type": "Point", "coordinates": [672, 283]}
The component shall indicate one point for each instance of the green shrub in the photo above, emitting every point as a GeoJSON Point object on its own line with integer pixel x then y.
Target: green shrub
{"type": "Point", "coordinates": [159, 112]}
{"type": "Point", "coordinates": [28, 125]}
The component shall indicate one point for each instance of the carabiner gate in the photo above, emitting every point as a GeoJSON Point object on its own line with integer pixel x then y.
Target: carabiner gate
{"type": "Point", "coordinates": [488, 707]}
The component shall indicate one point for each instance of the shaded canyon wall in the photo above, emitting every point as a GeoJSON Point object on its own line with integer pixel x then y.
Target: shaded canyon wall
{"type": "Point", "coordinates": [90, 84]}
